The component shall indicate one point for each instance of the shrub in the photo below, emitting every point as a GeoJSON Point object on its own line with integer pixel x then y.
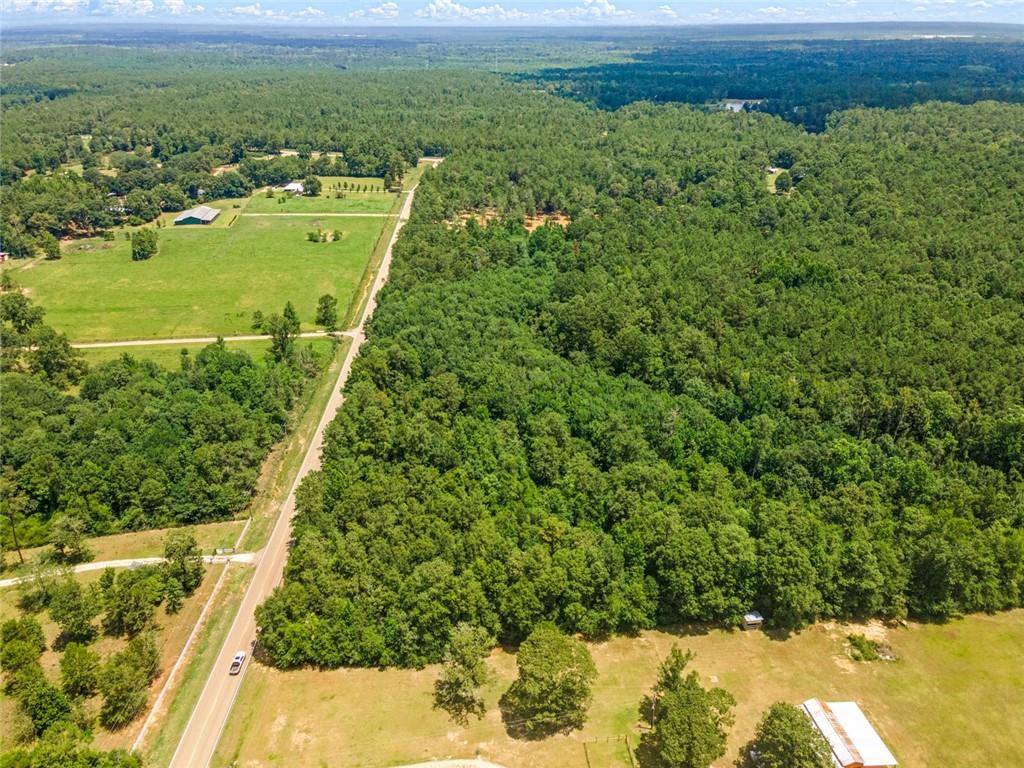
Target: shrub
{"type": "Point", "coordinates": [862, 648]}
{"type": "Point", "coordinates": [144, 244]}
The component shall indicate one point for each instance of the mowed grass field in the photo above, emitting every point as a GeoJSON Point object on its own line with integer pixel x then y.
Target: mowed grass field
{"type": "Point", "coordinates": [204, 280]}
{"type": "Point", "coordinates": [952, 698]}
{"type": "Point", "coordinates": [327, 201]}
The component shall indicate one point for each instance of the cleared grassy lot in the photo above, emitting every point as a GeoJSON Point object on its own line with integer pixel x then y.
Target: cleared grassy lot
{"type": "Point", "coordinates": [204, 280]}
{"type": "Point", "coordinates": [125, 546]}
{"type": "Point", "coordinates": [966, 674]}
{"type": "Point", "coordinates": [327, 201]}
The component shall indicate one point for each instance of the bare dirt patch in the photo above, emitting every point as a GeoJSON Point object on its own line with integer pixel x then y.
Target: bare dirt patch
{"type": "Point", "coordinates": [532, 222]}
{"type": "Point", "coordinates": [872, 630]}
{"type": "Point", "coordinates": [540, 219]}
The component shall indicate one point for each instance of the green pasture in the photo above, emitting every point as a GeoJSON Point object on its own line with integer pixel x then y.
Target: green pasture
{"type": "Point", "coordinates": [327, 201]}
{"type": "Point", "coordinates": [951, 698]}
{"type": "Point", "coordinates": [204, 281]}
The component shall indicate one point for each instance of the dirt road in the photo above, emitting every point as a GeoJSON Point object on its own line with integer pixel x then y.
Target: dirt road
{"type": "Point", "coordinates": [327, 215]}
{"type": "Point", "coordinates": [198, 340]}
{"type": "Point", "coordinates": [102, 565]}
{"type": "Point", "coordinates": [199, 740]}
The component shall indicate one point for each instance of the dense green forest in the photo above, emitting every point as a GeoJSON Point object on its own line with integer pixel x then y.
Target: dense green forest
{"type": "Point", "coordinates": [708, 393]}
{"type": "Point", "coordinates": [698, 399]}
{"type": "Point", "coordinates": [138, 446]}
{"type": "Point", "coordinates": [802, 81]}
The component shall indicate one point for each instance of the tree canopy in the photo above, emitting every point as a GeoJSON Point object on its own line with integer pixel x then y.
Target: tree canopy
{"type": "Point", "coordinates": [553, 690]}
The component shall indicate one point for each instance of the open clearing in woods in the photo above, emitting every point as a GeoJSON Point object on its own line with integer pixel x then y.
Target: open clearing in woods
{"type": "Point", "coordinates": [967, 672]}
{"type": "Point", "coordinates": [124, 546]}
{"type": "Point", "coordinates": [204, 280]}
{"type": "Point", "coordinates": [351, 201]}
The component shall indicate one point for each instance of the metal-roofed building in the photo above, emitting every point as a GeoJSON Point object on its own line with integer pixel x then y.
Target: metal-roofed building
{"type": "Point", "coordinates": [201, 214]}
{"type": "Point", "coordinates": [853, 740]}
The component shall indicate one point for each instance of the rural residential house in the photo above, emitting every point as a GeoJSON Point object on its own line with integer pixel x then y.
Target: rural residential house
{"type": "Point", "coordinates": [854, 742]}
{"type": "Point", "coordinates": [201, 214]}
{"type": "Point", "coordinates": [295, 187]}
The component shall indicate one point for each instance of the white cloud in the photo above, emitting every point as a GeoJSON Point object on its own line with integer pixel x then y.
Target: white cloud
{"type": "Point", "coordinates": [382, 11]}
{"type": "Point", "coordinates": [309, 12]}
{"type": "Point", "coordinates": [773, 10]}
{"type": "Point", "coordinates": [256, 10]}
{"type": "Point", "coordinates": [180, 7]}
{"type": "Point", "coordinates": [450, 10]}
{"type": "Point", "coordinates": [668, 11]}
{"type": "Point", "coordinates": [588, 10]}
{"type": "Point", "coordinates": [125, 8]}
{"type": "Point", "coordinates": [979, 4]}
{"type": "Point", "coordinates": [44, 6]}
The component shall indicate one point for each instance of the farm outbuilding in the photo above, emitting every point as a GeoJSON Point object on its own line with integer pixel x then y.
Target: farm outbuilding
{"type": "Point", "coordinates": [753, 620]}
{"type": "Point", "coordinates": [201, 214]}
{"type": "Point", "coordinates": [853, 740]}
{"type": "Point", "coordinates": [295, 187]}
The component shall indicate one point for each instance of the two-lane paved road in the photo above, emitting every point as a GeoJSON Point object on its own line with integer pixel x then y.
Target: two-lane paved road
{"type": "Point", "coordinates": [199, 741]}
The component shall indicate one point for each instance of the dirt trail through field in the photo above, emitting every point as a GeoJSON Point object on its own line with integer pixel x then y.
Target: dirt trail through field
{"type": "Point", "coordinates": [183, 340]}
{"type": "Point", "coordinates": [236, 557]}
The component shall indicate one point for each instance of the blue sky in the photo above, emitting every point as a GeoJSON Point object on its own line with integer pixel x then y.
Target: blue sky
{"type": "Point", "coordinates": [514, 12]}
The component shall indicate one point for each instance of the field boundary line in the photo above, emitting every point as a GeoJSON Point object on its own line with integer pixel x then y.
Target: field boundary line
{"type": "Point", "coordinates": [316, 215]}
{"type": "Point", "coordinates": [128, 562]}
{"type": "Point", "coordinates": [198, 340]}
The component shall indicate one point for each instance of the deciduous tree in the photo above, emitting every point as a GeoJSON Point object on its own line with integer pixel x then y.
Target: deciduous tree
{"type": "Point", "coordinates": [553, 690]}
{"type": "Point", "coordinates": [457, 690]}
{"type": "Point", "coordinates": [688, 723]}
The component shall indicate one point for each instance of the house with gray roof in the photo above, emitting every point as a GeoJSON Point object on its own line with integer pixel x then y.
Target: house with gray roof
{"type": "Point", "coordinates": [201, 214]}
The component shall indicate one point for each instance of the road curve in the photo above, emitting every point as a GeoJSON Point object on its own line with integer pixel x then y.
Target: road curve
{"type": "Point", "coordinates": [204, 728]}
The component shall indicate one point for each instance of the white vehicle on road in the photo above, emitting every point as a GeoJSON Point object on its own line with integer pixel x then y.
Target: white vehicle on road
{"type": "Point", "coordinates": [236, 663]}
